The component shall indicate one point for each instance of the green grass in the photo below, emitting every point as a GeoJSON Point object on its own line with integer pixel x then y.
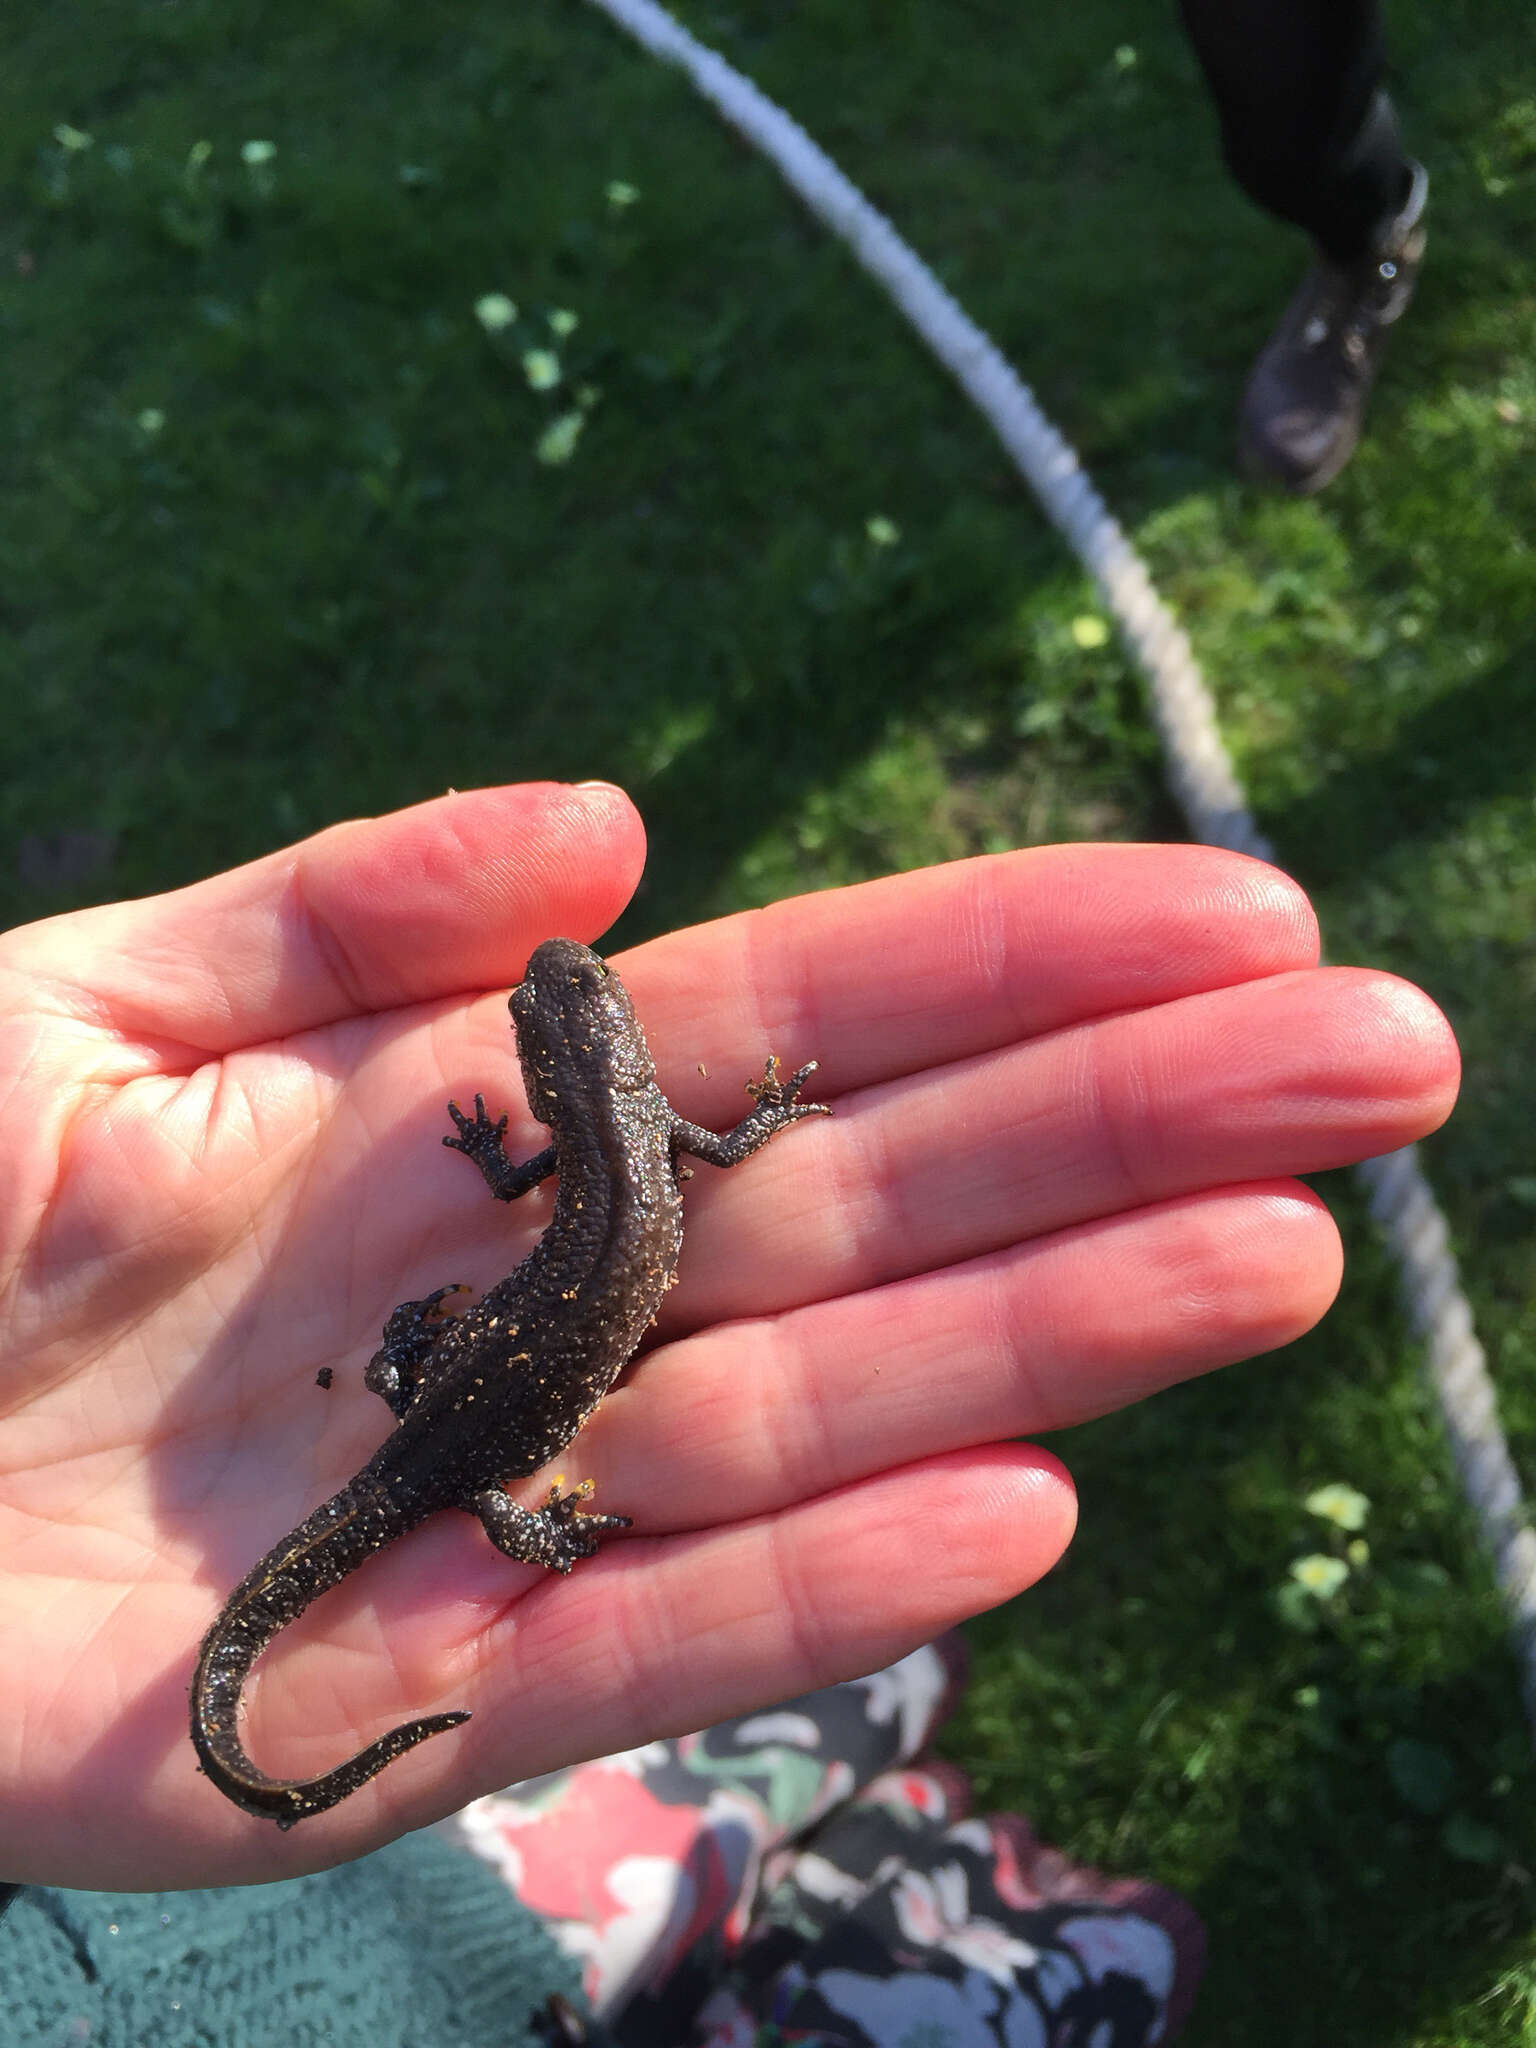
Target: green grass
{"type": "Point", "coordinates": [334, 578]}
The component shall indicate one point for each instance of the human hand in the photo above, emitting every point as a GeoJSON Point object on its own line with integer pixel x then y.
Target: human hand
{"type": "Point", "coordinates": [1070, 1085]}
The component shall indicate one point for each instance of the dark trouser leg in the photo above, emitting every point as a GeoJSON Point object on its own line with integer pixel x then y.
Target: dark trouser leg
{"type": "Point", "coordinates": [1306, 128]}
{"type": "Point", "coordinates": [1310, 135]}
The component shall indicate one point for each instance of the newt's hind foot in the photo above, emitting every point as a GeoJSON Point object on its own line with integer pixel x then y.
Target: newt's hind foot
{"type": "Point", "coordinates": [555, 1535]}
{"type": "Point", "coordinates": [396, 1370]}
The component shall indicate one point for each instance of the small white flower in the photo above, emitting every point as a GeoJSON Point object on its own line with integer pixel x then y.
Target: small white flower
{"type": "Point", "coordinates": [1318, 1575]}
{"type": "Point", "coordinates": [796, 1731]}
{"type": "Point", "coordinates": [918, 1906]}
{"type": "Point", "coordinates": [1340, 1505]}
{"type": "Point", "coordinates": [254, 153]}
{"type": "Point", "coordinates": [621, 194]}
{"type": "Point", "coordinates": [563, 321]}
{"type": "Point", "coordinates": [818, 1878]}
{"type": "Point", "coordinates": [911, 1689]}
{"type": "Point", "coordinates": [557, 443]}
{"type": "Point", "coordinates": [151, 420]}
{"type": "Point", "coordinates": [882, 531]}
{"type": "Point", "coordinates": [495, 311]}
{"type": "Point", "coordinates": [71, 138]}
{"type": "Point", "coordinates": [541, 366]}
{"type": "Point", "coordinates": [983, 1945]}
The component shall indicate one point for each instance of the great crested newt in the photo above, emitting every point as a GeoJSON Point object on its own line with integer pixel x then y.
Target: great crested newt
{"type": "Point", "coordinates": [494, 1392]}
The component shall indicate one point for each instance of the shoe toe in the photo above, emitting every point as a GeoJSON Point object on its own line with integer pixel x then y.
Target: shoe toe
{"type": "Point", "coordinates": [1299, 448]}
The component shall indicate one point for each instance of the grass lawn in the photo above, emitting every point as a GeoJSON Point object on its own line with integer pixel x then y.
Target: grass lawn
{"type": "Point", "coordinates": [277, 546]}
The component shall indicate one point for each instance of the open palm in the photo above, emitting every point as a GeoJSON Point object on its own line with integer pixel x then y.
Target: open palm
{"type": "Point", "coordinates": [1071, 1086]}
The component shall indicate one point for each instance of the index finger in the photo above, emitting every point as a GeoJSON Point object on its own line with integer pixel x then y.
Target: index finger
{"type": "Point", "coordinates": [443, 899]}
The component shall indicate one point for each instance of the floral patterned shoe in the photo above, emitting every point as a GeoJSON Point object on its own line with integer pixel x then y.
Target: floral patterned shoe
{"type": "Point", "coordinates": [901, 1924]}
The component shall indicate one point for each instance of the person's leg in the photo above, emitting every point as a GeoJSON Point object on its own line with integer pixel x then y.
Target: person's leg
{"type": "Point", "coordinates": [811, 1868]}
{"type": "Point", "coordinates": [1306, 128]}
{"type": "Point", "coordinates": [645, 1867]}
{"type": "Point", "coordinates": [1310, 135]}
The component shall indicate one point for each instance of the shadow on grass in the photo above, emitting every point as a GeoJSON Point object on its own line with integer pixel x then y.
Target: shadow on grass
{"type": "Point", "coordinates": [1442, 763]}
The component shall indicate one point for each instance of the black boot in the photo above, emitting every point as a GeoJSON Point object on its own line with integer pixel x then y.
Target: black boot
{"type": "Point", "coordinates": [1306, 394]}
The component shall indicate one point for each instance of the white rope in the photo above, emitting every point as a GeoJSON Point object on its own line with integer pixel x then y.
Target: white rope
{"type": "Point", "coordinates": [1198, 765]}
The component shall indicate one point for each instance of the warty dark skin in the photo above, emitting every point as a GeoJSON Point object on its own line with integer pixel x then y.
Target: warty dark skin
{"type": "Point", "coordinates": [495, 1392]}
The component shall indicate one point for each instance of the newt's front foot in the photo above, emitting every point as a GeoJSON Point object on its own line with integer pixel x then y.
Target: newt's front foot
{"type": "Point", "coordinates": [479, 1139]}
{"type": "Point", "coordinates": [485, 1143]}
{"type": "Point", "coordinates": [772, 1094]}
{"type": "Point", "coordinates": [774, 1109]}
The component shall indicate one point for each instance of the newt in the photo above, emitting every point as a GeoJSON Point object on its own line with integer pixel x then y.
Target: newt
{"type": "Point", "coordinates": [494, 1391]}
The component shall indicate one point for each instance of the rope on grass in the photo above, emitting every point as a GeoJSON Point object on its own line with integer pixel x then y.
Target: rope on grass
{"type": "Point", "coordinates": [1196, 760]}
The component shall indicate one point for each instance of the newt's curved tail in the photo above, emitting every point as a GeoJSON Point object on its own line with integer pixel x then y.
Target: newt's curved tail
{"type": "Point", "coordinates": [319, 1554]}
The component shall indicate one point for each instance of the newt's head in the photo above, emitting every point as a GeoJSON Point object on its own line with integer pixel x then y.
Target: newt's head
{"type": "Point", "coordinates": [576, 1028]}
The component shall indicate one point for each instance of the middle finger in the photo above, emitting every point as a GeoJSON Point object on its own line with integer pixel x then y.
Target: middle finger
{"type": "Point", "coordinates": [1293, 1074]}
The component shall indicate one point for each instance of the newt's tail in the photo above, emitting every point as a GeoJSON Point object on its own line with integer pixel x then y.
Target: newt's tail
{"type": "Point", "coordinates": [334, 1541]}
